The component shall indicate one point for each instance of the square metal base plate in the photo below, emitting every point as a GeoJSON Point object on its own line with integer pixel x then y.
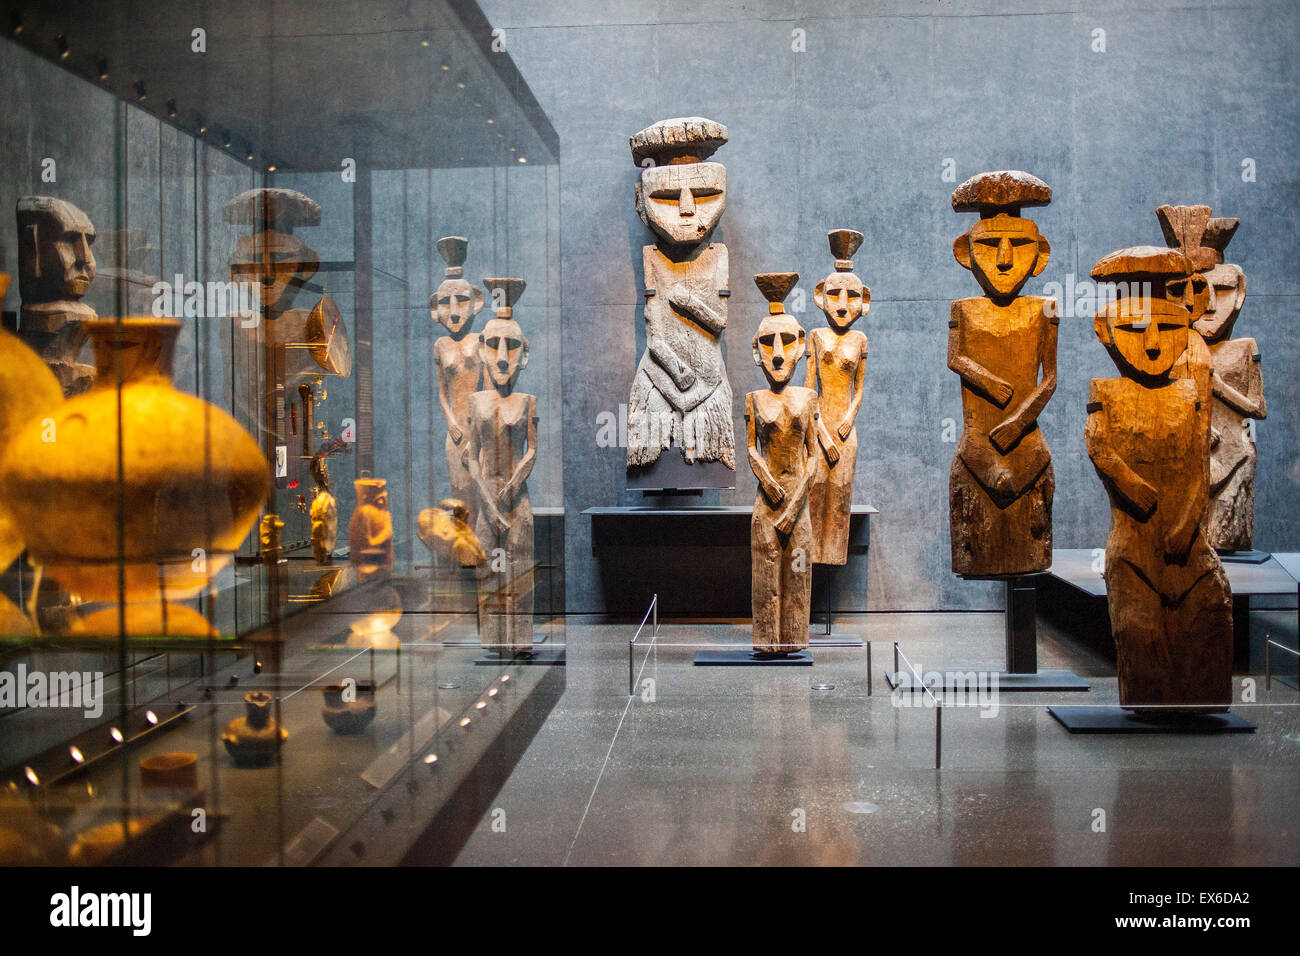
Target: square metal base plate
{"type": "Point", "coordinates": [538, 655]}
{"type": "Point", "coordinates": [746, 656]}
{"type": "Point", "coordinates": [834, 640]}
{"type": "Point", "coordinates": [1118, 720]}
{"type": "Point", "coordinates": [1047, 681]}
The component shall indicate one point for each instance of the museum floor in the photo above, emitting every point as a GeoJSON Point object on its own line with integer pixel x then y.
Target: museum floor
{"type": "Point", "coordinates": [713, 770]}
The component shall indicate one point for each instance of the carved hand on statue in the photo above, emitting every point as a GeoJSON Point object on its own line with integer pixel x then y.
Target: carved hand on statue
{"type": "Point", "coordinates": [846, 426]}
{"type": "Point", "coordinates": [679, 297]}
{"type": "Point", "coordinates": [1005, 435]}
{"type": "Point", "coordinates": [832, 453]}
{"type": "Point", "coordinates": [1000, 391]}
{"type": "Point", "coordinates": [685, 377]}
{"type": "Point", "coordinates": [455, 433]}
{"type": "Point", "coordinates": [1178, 540]}
{"type": "Point", "coordinates": [1144, 497]}
{"type": "Point", "coordinates": [1215, 437]}
{"type": "Point", "coordinates": [775, 493]}
{"type": "Point", "coordinates": [785, 524]}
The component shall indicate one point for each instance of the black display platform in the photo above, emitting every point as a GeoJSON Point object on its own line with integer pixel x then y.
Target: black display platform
{"type": "Point", "coordinates": [1118, 720]}
{"type": "Point", "coordinates": [1045, 681]}
{"type": "Point", "coordinates": [746, 656]}
{"type": "Point", "coordinates": [473, 641]}
{"type": "Point", "coordinates": [545, 656]}
{"type": "Point", "coordinates": [1248, 557]}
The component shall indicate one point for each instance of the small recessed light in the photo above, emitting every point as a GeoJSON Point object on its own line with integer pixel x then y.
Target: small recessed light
{"type": "Point", "coordinates": [62, 43]}
{"type": "Point", "coordinates": [430, 758]}
{"type": "Point", "coordinates": [490, 120]}
{"type": "Point", "coordinates": [116, 735]}
{"type": "Point", "coordinates": [31, 776]}
{"type": "Point", "coordinates": [424, 43]}
{"type": "Point", "coordinates": [492, 691]}
{"type": "Point", "coordinates": [17, 23]}
{"type": "Point", "coordinates": [171, 108]}
{"type": "Point", "coordinates": [445, 67]}
{"type": "Point", "coordinates": [480, 705]}
{"type": "Point", "coordinates": [150, 716]}
{"type": "Point", "coordinates": [505, 678]}
{"type": "Point", "coordinates": [460, 86]}
{"type": "Point", "coordinates": [271, 168]}
{"type": "Point", "coordinates": [140, 92]}
{"type": "Point", "coordinates": [464, 721]}
{"type": "Point", "coordinates": [76, 755]}
{"type": "Point", "coordinates": [523, 159]}
{"type": "Point", "coordinates": [102, 68]}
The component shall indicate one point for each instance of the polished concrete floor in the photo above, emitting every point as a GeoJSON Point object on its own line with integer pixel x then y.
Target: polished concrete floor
{"type": "Point", "coordinates": [723, 765]}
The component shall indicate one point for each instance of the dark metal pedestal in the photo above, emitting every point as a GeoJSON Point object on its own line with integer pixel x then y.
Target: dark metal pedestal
{"type": "Point", "coordinates": [746, 656]}
{"type": "Point", "coordinates": [1118, 720]}
{"type": "Point", "coordinates": [538, 655]}
{"type": "Point", "coordinates": [1022, 673]}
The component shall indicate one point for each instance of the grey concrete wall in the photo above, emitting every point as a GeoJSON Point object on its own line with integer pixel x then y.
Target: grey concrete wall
{"type": "Point", "coordinates": [854, 133]}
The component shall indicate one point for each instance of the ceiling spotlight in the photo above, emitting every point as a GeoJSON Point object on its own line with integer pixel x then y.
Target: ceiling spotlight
{"type": "Point", "coordinates": [34, 780]}
{"type": "Point", "coordinates": [271, 168]}
{"type": "Point", "coordinates": [460, 86]}
{"type": "Point", "coordinates": [102, 68]}
{"type": "Point", "coordinates": [424, 43]}
{"type": "Point", "coordinates": [171, 108]}
{"type": "Point", "coordinates": [523, 159]}
{"type": "Point", "coordinates": [203, 125]}
{"type": "Point", "coordinates": [140, 92]}
{"type": "Point", "coordinates": [431, 759]}
{"type": "Point", "coordinates": [226, 138]}
{"type": "Point", "coordinates": [62, 43]}
{"type": "Point", "coordinates": [445, 67]}
{"type": "Point", "coordinates": [150, 716]}
{"type": "Point", "coordinates": [16, 25]}
{"type": "Point", "coordinates": [76, 755]}
{"type": "Point", "coordinates": [116, 735]}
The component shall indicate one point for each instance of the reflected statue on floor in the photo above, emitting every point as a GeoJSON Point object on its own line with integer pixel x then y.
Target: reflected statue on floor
{"type": "Point", "coordinates": [456, 360]}
{"type": "Point", "coordinates": [55, 268]}
{"type": "Point", "coordinates": [837, 363]}
{"type": "Point", "coordinates": [501, 425]}
{"type": "Point", "coordinates": [783, 431]}
{"type": "Point", "coordinates": [1001, 483]}
{"type": "Point", "coordinates": [681, 394]}
{"type": "Point", "coordinates": [1148, 437]}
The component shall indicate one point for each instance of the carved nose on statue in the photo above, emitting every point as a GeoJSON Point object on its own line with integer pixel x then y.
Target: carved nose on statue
{"type": "Point", "coordinates": [685, 204]}
{"type": "Point", "coordinates": [1004, 255]}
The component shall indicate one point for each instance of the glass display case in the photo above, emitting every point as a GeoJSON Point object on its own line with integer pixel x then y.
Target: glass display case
{"type": "Point", "coordinates": [281, 520]}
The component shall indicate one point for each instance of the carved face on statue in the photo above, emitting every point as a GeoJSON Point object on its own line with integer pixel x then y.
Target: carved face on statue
{"type": "Point", "coordinates": [279, 261]}
{"type": "Point", "coordinates": [1195, 293]}
{"type": "Point", "coordinates": [1146, 329]}
{"type": "Point", "coordinates": [55, 259]}
{"type": "Point", "coordinates": [778, 346]}
{"type": "Point", "coordinates": [1003, 251]}
{"type": "Point", "coordinates": [682, 203]}
{"type": "Point", "coordinates": [455, 304]}
{"type": "Point", "coordinates": [843, 297]}
{"type": "Point", "coordinates": [503, 350]}
{"type": "Point", "coordinates": [1228, 283]}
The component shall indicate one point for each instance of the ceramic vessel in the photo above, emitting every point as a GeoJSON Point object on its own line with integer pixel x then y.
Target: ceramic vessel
{"type": "Point", "coordinates": [192, 484]}
{"type": "Point", "coordinates": [344, 716]}
{"type": "Point", "coordinates": [254, 739]}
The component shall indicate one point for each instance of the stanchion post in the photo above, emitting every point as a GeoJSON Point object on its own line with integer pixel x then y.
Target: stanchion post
{"type": "Point", "coordinates": [938, 733]}
{"type": "Point", "coordinates": [630, 645]}
{"type": "Point", "coordinates": [868, 668]}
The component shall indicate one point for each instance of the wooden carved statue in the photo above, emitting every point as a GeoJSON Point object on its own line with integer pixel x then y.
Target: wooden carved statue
{"type": "Point", "coordinates": [455, 357]}
{"type": "Point", "coordinates": [837, 362]}
{"type": "Point", "coordinates": [1003, 345]}
{"type": "Point", "coordinates": [324, 513]}
{"type": "Point", "coordinates": [370, 532]}
{"type": "Point", "coordinates": [680, 393]}
{"type": "Point", "coordinates": [1147, 436]}
{"type": "Point", "coordinates": [501, 447]}
{"type": "Point", "coordinates": [55, 269]}
{"type": "Point", "coordinates": [781, 430]}
{"type": "Point", "coordinates": [1184, 228]}
{"type": "Point", "coordinates": [1236, 384]}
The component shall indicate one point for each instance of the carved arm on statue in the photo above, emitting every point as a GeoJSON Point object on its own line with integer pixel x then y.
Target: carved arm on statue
{"type": "Point", "coordinates": [684, 300]}
{"type": "Point", "coordinates": [1123, 479]}
{"type": "Point", "coordinates": [972, 373]}
{"type": "Point", "coordinates": [683, 375]}
{"type": "Point", "coordinates": [487, 500]}
{"type": "Point", "coordinates": [525, 466]}
{"type": "Point", "coordinates": [859, 377]}
{"type": "Point", "coordinates": [771, 489]}
{"type": "Point", "coordinates": [1013, 428]}
{"type": "Point", "coordinates": [1247, 406]}
{"type": "Point", "coordinates": [453, 427]}
{"type": "Point", "coordinates": [829, 447]}
{"type": "Point", "coordinates": [1179, 538]}
{"type": "Point", "coordinates": [799, 497]}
